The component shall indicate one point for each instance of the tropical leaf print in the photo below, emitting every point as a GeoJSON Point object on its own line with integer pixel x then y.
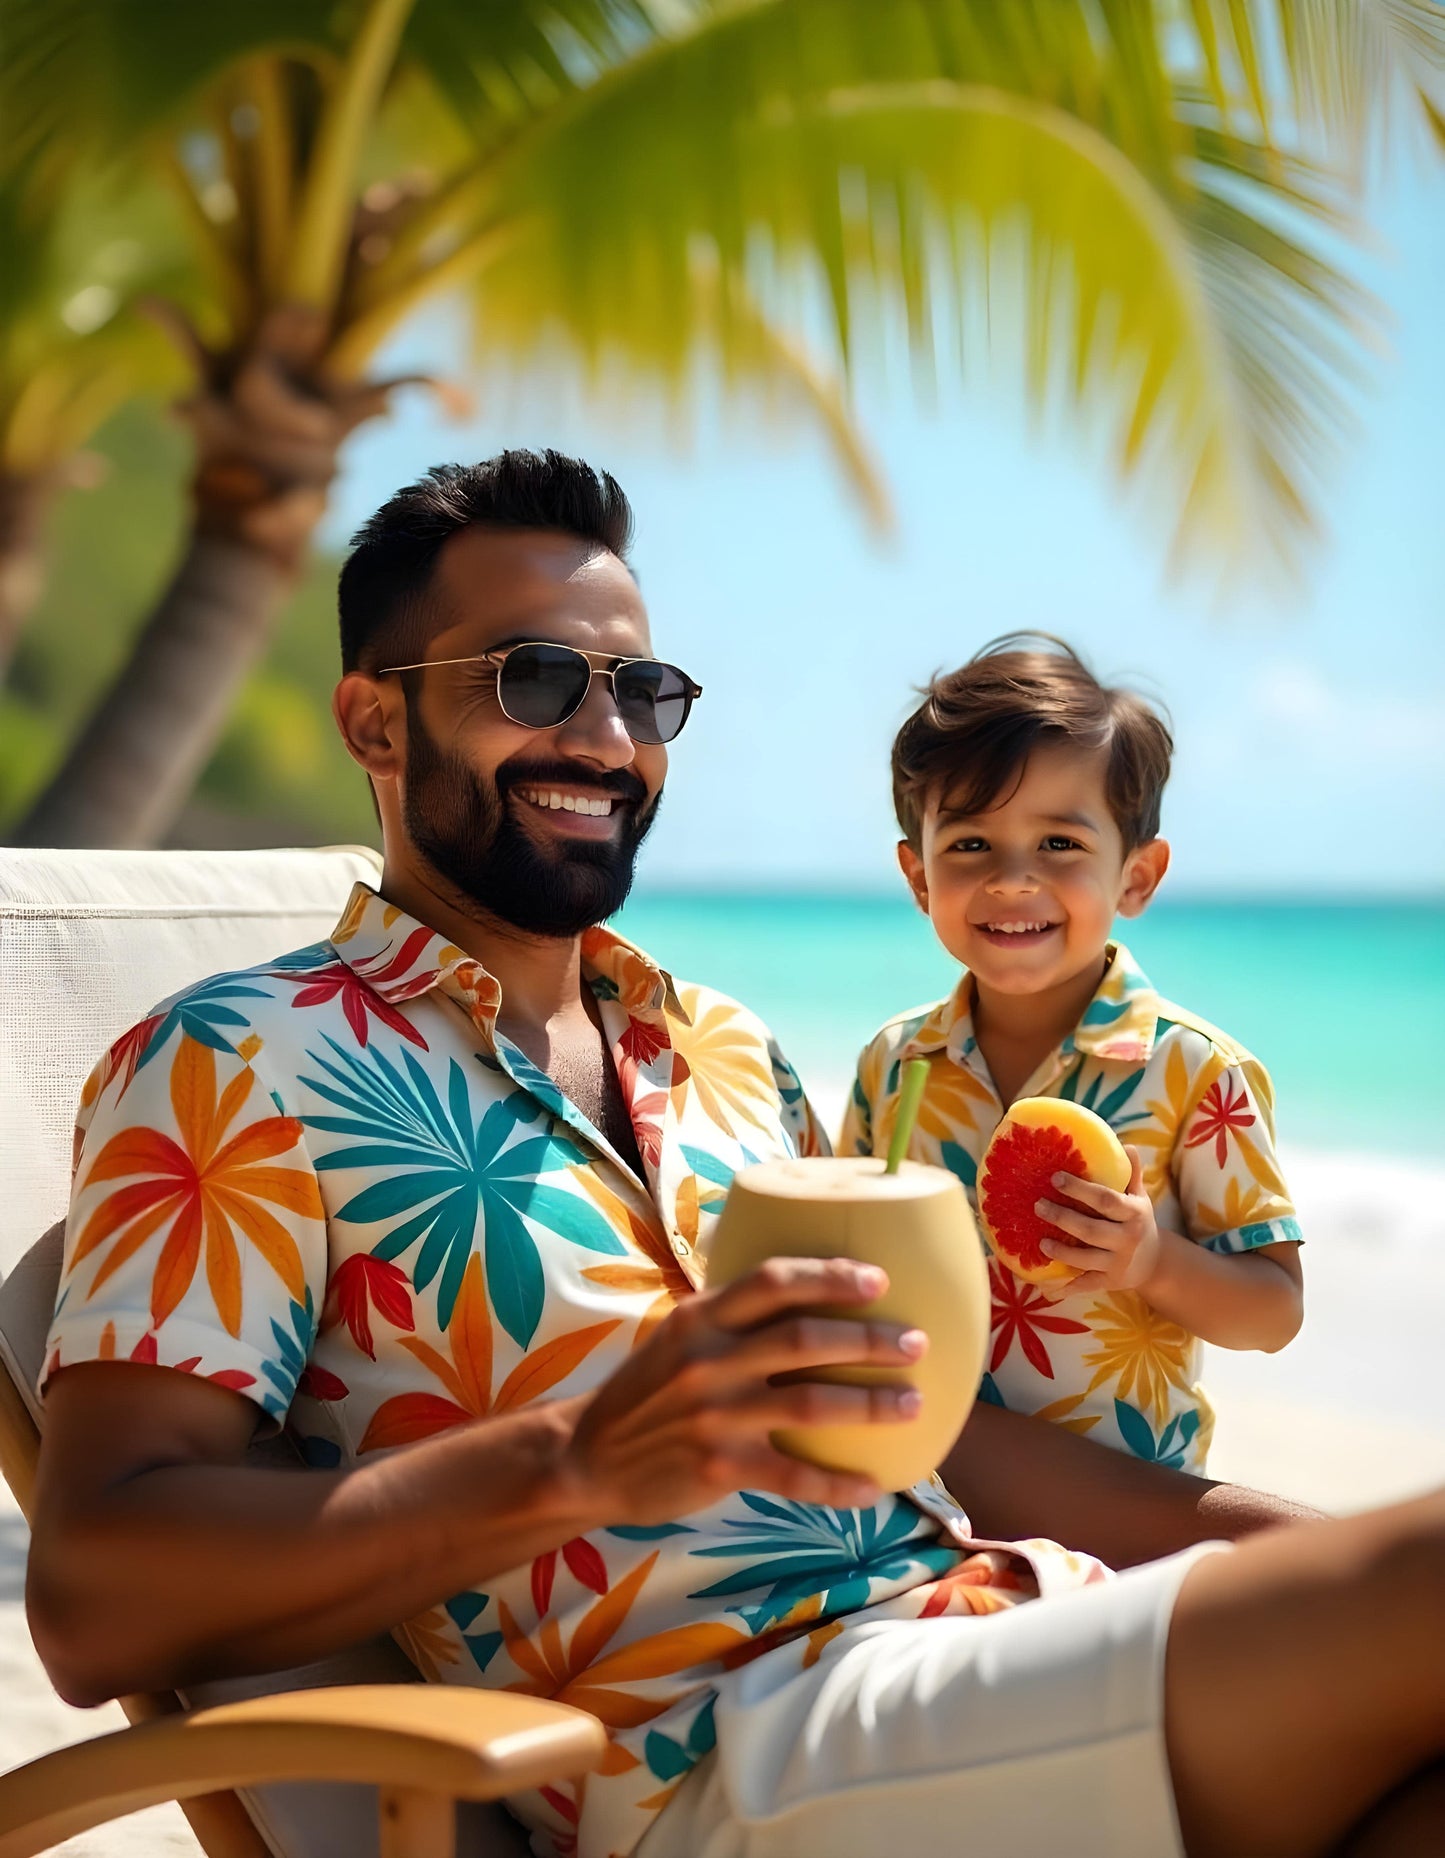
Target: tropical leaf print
{"type": "Point", "coordinates": [954, 1100]}
{"type": "Point", "coordinates": [1142, 1352]}
{"type": "Point", "coordinates": [1109, 1104]}
{"type": "Point", "coordinates": [793, 1550]}
{"type": "Point", "coordinates": [1023, 1314]}
{"type": "Point", "coordinates": [586, 1674]}
{"type": "Point", "coordinates": [202, 1014]}
{"type": "Point", "coordinates": [361, 1284]}
{"type": "Point", "coordinates": [215, 1193]}
{"type": "Point", "coordinates": [438, 1170]}
{"type": "Point", "coordinates": [335, 981]}
{"type": "Point", "coordinates": [1170, 1448]}
{"type": "Point", "coordinates": [466, 1374]}
{"type": "Point", "coordinates": [718, 1060]}
{"type": "Point", "coordinates": [1224, 1109]}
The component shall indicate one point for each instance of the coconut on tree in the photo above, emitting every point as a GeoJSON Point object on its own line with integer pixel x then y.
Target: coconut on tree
{"type": "Point", "coordinates": [668, 186]}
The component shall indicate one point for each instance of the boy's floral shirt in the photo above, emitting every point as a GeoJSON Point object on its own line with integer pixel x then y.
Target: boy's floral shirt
{"type": "Point", "coordinates": [330, 1184]}
{"type": "Point", "coordinates": [1199, 1109]}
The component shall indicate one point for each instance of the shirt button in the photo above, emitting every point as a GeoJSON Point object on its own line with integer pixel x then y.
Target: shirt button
{"type": "Point", "coordinates": [680, 1246]}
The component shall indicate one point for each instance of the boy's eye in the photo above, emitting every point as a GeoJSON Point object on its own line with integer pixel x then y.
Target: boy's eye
{"type": "Point", "coordinates": [969, 844]}
{"type": "Point", "coordinates": [1056, 842]}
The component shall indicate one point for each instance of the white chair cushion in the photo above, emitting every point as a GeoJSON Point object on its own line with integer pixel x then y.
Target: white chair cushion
{"type": "Point", "coordinates": [89, 942]}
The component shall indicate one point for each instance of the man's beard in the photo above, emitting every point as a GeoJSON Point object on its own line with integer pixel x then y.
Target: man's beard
{"type": "Point", "coordinates": [462, 824]}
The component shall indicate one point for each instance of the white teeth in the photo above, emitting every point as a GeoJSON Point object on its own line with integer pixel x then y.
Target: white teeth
{"type": "Point", "coordinates": [1016, 928]}
{"type": "Point", "coordinates": [552, 801]}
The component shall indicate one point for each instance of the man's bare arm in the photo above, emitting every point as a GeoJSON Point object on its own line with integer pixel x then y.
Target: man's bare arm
{"type": "Point", "coordinates": [1019, 1477]}
{"type": "Point", "coordinates": [160, 1556]}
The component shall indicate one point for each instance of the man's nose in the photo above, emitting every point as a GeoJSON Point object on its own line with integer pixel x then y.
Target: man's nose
{"type": "Point", "coordinates": [596, 731]}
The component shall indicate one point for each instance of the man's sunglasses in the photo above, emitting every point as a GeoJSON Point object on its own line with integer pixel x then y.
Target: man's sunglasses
{"type": "Point", "coordinates": [541, 685]}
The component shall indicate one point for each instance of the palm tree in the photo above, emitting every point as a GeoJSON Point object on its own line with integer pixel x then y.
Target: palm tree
{"type": "Point", "coordinates": [72, 350]}
{"type": "Point", "coordinates": [669, 184]}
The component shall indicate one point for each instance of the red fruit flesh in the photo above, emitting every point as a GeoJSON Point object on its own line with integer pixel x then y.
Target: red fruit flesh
{"type": "Point", "coordinates": [1021, 1165]}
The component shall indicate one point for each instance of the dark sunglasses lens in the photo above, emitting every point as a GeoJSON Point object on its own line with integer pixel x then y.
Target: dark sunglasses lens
{"type": "Point", "coordinates": [653, 699]}
{"type": "Point", "coordinates": [540, 686]}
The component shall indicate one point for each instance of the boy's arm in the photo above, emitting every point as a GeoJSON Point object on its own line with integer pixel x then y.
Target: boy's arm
{"type": "Point", "coordinates": [1248, 1299]}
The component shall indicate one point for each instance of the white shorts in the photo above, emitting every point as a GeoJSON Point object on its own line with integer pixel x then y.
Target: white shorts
{"type": "Point", "coordinates": [1034, 1733]}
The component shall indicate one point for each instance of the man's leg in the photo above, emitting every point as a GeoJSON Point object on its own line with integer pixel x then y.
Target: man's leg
{"type": "Point", "coordinates": [1305, 1678]}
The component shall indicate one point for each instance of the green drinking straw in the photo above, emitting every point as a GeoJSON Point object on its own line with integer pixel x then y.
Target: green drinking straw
{"type": "Point", "coordinates": [915, 1076]}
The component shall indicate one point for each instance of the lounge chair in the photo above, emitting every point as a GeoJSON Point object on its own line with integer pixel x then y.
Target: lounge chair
{"type": "Point", "coordinates": [341, 1759]}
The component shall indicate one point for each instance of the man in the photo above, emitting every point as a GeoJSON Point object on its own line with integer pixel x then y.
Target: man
{"type": "Point", "coordinates": [433, 1191]}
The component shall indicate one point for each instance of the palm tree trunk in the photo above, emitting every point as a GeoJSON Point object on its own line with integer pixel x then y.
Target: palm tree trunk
{"type": "Point", "coordinates": [139, 755]}
{"type": "Point", "coordinates": [24, 505]}
{"type": "Point", "coordinates": [268, 426]}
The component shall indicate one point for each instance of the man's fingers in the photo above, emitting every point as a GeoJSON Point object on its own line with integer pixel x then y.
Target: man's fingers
{"type": "Point", "coordinates": [826, 1403]}
{"type": "Point", "coordinates": [1102, 1233]}
{"type": "Point", "coordinates": [783, 1284]}
{"type": "Point", "coordinates": [797, 1343]}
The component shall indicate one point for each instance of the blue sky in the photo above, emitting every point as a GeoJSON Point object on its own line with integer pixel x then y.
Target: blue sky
{"type": "Point", "coordinates": [1310, 724]}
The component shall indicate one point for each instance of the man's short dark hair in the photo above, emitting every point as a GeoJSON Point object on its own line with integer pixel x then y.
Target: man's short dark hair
{"type": "Point", "coordinates": [382, 594]}
{"type": "Point", "coordinates": [976, 727]}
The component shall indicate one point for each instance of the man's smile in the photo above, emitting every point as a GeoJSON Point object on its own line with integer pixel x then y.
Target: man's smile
{"type": "Point", "coordinates": [575, 810]}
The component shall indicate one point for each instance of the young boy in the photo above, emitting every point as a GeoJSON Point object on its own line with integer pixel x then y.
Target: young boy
{"type": "Point", "coordinates": [1028, 795]}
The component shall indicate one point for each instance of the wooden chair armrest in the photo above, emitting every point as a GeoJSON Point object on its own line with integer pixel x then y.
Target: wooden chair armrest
{"type": "Point", "coordinates": [447, 1742]}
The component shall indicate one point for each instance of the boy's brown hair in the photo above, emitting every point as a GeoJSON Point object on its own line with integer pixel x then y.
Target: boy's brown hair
{"type": "Point", "coordinates": [977, 726]}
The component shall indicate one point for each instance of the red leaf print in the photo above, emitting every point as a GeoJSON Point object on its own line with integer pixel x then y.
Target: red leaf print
{"type": "Point", "coordinates": [404, 957]}
{"type": "Point", "coordinates": [1020, 1310]}
{"type": "Point", "coordinates": [585, 1562]}
{"type": "Point", "coordinates": [544, 1571]}
{"type": "Point", "coordinates": [1219, 1112]}
{"type": "Point", "coordinates": [233, 1378]}
{"type": "Point", "coordinates": [145, 1350]}
{"type": "Point", "coordinates": [359, 1283]}
{"type": "Point", "coordinates": [642, 1042]}
{"type": "Point", "coordinates": [319, 985]}
{"type": "Point", "coordinates": [189, 1365]}
{"type": "Point", "coordinates": [321, 1384]}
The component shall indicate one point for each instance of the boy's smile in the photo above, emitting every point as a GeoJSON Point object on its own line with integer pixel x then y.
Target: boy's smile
{"type": "Point", "coordinates": [1025, 893]}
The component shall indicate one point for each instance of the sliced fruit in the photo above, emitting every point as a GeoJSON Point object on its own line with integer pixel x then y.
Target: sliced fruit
{"type": "Point", "coordinates": [1039, 1138]}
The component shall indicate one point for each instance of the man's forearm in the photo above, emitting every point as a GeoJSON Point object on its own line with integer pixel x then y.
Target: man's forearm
{"type": "Point", "coordinates": [1019, 1477]}
{"type": "Point", "coordinates": [191, 1570]}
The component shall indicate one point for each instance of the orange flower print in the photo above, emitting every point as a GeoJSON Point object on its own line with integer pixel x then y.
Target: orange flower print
{"type": "Point", "coordinates": [1220, 1110]}
{"type": "Point", "coordinates": [209, 1188]}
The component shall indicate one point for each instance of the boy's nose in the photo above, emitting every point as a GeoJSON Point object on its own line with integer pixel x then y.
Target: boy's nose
{"type": "Point", "coordinates": [1012, 875]}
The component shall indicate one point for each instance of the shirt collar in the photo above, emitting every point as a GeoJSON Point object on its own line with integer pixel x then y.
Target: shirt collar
{"type": "Point", "coordinates": [1121, 1022]}
{"type": "Point", "coordinates": [400, 959]}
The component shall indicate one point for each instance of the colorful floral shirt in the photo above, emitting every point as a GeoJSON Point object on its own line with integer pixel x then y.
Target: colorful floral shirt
{"type": "Point", "coordinates": [330, 1184]}
{"type": "Point", "coordinates": [1199, 1109]}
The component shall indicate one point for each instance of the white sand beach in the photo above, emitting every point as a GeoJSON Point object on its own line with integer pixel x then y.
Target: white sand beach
{"type": "Point", "coordinates": [1348, 1416]}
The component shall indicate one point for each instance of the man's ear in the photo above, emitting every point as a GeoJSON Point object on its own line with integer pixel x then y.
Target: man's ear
{"type": "Point", "coordinates": [911, 865]}
{"type": "Point", "coordinates": [1144, 870]}
{"type": "Point", "coordinates": [370, 717]}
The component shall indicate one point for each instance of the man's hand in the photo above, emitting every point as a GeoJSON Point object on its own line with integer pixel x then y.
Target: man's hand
{"type": "Point", "coordinates": [687, 1419]}
{"type": "Point", "coordinates": [1118, 1245]}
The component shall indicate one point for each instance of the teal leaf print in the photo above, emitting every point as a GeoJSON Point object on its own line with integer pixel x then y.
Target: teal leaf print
{"type": "Point", "coordinates": [649, 1532]}
{"type": "Point", "coordinates": [1137, 1433]}
{"type": "Point", "coordinates": [958, 1161]}
{"type": "Point", "coordinates": [988, 1392]}
{"type": "Point", "coordinates": [1172, 1446]}
{"type": "Point", "coordinates": [709, 1166]}
{"type": "Point", "coordinates": [795, 1550]}
{"type": "Point", "coordinates": [467, 1608]}
{"type": "Point", "coordinates": [667, 1759]}
{"type": "Point", "coordinates": [444, 1171]}
{"type": "Point", "coordinates": [201, 1013]}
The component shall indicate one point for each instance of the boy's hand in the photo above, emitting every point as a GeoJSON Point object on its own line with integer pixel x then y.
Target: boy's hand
{"type": "Point", "coordinates": [1118, 1244]}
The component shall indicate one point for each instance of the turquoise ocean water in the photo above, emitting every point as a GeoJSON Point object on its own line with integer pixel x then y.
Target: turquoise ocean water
{"type": "Point", "coordinates": [1344, 1002]}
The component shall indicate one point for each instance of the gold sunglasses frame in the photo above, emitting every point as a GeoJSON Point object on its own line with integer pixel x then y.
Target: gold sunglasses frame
{"type": "Point", "coordinates": [601, 664]}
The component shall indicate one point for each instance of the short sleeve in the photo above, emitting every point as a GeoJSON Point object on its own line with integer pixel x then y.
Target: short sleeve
{"type": "Point", "coordinates": [1227, 1176]}
{"type": "Point", "coordinates": [196, 1238]}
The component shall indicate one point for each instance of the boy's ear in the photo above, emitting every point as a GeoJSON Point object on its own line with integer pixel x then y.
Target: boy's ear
{"type": "Point", "coordinates": [1144, 870]}
{"type": "Point", "coordinates": [911, 865]}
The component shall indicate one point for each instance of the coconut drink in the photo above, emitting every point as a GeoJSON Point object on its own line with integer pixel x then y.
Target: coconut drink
{"type": "Point", "coordinates": [912, 1221]}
